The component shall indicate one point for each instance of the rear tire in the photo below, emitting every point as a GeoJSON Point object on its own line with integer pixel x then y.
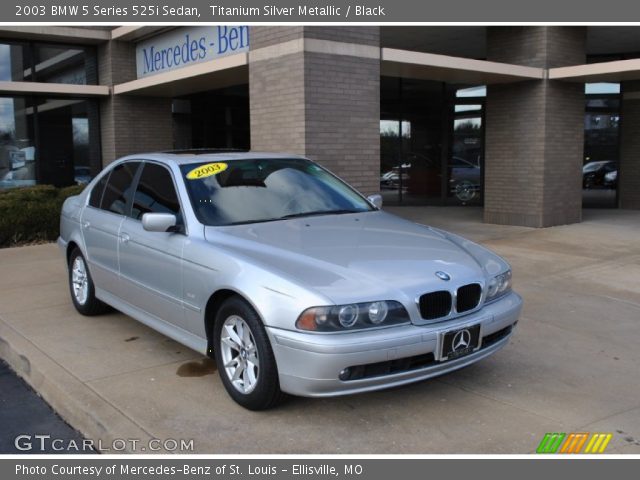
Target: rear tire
{"type": "Point", "coordinates": [81, 286]}
{"type": "Point", "coordinates": [244, 356]}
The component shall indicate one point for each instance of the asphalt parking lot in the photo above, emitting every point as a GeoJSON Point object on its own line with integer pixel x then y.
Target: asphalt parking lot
{"type": "Point", "coordinates": [25, 415]}
{"type": "Point", "coordinates": [572, 365]}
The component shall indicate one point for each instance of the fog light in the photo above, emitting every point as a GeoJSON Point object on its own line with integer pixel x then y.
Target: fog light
{"type": "Point", "coordinates": [348, 315]}
{"type": "Point", "coordinates": [345, 374]}
{"type": "Point", "coordinates": [378, 312]}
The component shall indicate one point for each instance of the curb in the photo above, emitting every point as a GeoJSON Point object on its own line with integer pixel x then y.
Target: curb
{"type": "Point", "coordinates": [80, 406]}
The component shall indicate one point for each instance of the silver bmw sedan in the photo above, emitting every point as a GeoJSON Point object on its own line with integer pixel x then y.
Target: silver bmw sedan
{"type": "Point", "coordinates": [292, 280]}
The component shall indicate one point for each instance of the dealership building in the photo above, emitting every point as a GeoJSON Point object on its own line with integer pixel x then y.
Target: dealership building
{"type": "Point", "coordinates": [533, 123]}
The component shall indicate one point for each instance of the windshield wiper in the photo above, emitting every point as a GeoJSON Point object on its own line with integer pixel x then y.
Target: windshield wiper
{"type": "Point", "coordinates": [319, 212]}
{"type": "Point", "coordinates": [293, 215]}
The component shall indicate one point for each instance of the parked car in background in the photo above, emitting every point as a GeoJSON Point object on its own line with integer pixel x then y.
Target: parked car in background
{"type": "Point", "coordinates": [464, 178]}
{"type": "Point", "coordinates": [593, 173]}
{"type": "Point", "coordinates": [292, 280]}
{"type": "Point", "coordinates": [81, 175]}
{"type": "Point", "coordinates": [391, 178]}
{"type": "Point", "coordinates": [611, 179]}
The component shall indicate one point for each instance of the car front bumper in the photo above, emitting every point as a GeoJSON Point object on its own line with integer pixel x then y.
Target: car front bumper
{"type": "Point", "coordinates": [310, 364]}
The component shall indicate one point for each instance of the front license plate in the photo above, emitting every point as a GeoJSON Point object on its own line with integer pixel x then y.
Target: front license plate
{"type": "Point", "coordinates": [461, 342]}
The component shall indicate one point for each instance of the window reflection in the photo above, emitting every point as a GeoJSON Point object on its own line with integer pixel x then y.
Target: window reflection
{"type": "Point", "coordinates": [53, 64]}
{"type": "Point", "coordinates": [15, 62]}
{"type": "Point", "coordinates": [260, 190]}
{"type": "Point", "coordinates": [50, 141]}
{"type": "Point", "coordinates": [601, 145]}
{"type": "Point", "coordinates": [38, 62]}
{"type": "Point", "coordinates": [464, 168]}
{"type": "Point", "coordinates": [17, 151]}
{"type": "Point", "coordinates": [431, 142]}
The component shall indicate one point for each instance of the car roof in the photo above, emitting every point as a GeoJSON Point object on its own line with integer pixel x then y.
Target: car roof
{"type": "Point", "coordinates": [599, 162]}
{"type": "Point", "coordinates": [186, 157]}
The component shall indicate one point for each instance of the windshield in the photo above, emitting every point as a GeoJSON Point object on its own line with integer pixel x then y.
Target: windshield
{"type": "Point", "coordinates": [261, 190]}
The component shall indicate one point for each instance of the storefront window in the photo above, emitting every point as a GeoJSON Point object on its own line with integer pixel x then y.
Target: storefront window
{"type": "Point", "coordinates": [17, 146]}
{"type": "Point", "coordinates": [54, 64]}
{"type": "Point", "coordinates": [214, 119]}
{"type": "Point", "coordinates": [38, 62]}
{"type": "Point", "coordinates": [431, 142]}
{"type": "Point", "coordinates": [601, 88]}
{"type": "Point", "coordinates": [478, 91]}
{"type": "Point", "coordinates": [50, 141]}
{"type": "Point", "coordinates": [601, 145]}
{"type": "Point", "coordinates": [465, 161]}
{"type": "Point", "coordinates": [15, 62]}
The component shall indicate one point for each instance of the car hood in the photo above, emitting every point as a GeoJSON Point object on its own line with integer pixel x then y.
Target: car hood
{"type": "Point", "coordinates": [352, 257]}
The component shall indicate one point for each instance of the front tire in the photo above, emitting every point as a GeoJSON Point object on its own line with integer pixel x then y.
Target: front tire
{"type": "Point", "coordinates": [244, 356]}
{"type": "Point", "coordinates": [81, 286]}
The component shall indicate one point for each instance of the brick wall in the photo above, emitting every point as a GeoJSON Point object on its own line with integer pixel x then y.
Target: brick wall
{"type": "Point", "coordinates": [129, 124]}
{"type": "Point", "coordinates": [276, 103]}
{"type": "Point", "coordinates": [116, 62]}
{"type": "Point", "coordinates": [360, 35]}
{"type": "Point", "coordinates": [265, 36]}
{"type": "Point", "coordinates": [544, 47]}
{"type": "Point", "coordinates": [534, 131]}
{"type": "Point", "coordinates": [343, 117]}
{"type": "Point", "coordinates": [324, 106]}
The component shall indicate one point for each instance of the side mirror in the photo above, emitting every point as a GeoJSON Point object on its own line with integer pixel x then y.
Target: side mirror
{"type": "Point", "coordinates": [158, 222]}
{"type": "Point", "coordinates": [375, 200]}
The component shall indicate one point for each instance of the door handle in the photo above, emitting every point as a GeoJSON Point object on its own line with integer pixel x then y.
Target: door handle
{"type": "Point", "coordinates": [124, 238]}
{"type": "Point", "coordinates": [86, 224]}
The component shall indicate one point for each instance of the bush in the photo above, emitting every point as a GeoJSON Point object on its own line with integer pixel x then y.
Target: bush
{"type": "Point", "coordinates": [32, 214]}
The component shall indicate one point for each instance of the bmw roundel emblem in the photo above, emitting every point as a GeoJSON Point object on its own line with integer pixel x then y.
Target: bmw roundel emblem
{"type": "Point", "coordinates": [443, 276]}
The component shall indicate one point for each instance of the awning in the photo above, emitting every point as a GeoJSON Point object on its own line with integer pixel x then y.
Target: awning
{"type": "Point", "coordinates": [68, 89]}
{"type": "Point", "coordinates": [458, 70]}
{"type": "Point", "coordinates": [217, 73]}
{"type": "Point", "coordinates": [616, 71]}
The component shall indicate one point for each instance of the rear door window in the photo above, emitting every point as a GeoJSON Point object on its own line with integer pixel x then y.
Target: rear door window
{"type": "Point", "coordinates": [119, 188]}
{"type": "Point", "coordinates": [96, 194]}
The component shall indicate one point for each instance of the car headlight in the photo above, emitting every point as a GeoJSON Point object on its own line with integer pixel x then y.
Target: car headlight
{"type": "Point", "coordinates": [499, 286]}
{"type": "Point", "coordinates": [354, 316]}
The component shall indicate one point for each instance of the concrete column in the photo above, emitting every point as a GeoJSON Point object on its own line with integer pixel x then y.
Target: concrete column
{"type": "Point", "coordinates": [534, 130]}
{"type": "Point", "coordinates": [629, 167]}
{"type": "Point", "coordinates": [129, 124]}
{"type": "Point", "coordinates": [315, 91]}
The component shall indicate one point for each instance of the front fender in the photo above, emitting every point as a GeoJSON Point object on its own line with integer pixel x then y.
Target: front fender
{"type": "Point", "coordinates": [208, 269]}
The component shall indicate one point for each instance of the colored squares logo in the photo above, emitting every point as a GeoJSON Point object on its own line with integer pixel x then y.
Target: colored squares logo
{"type": "Point", "coordinates": [598, 443]}
{"type": "Point", "coordinates": [580, 442]}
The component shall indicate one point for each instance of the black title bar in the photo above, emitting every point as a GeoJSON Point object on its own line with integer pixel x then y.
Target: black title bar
{"type": "Point", "coordinates": [313, 11]}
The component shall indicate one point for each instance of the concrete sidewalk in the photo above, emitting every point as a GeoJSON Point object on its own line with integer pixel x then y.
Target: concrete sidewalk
{"type": "Point", "coordinates": [571, 366]}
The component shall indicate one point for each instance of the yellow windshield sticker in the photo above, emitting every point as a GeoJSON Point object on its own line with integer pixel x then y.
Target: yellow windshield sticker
{"type": "Point", "coordinates": [207, 170]}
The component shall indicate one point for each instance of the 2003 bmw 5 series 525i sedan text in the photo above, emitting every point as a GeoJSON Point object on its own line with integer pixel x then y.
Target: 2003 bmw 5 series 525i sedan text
{"type": "Point", "coordinates": [290, 278]}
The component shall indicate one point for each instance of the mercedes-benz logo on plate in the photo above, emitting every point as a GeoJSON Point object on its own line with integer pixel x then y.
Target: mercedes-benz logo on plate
{"type": "Point", "coordinates": [461, 340]}
{"type": "Point", "coordinates": [443, 275]}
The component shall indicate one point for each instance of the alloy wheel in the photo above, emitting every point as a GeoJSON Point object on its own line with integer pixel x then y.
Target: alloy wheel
{"type": "Point", "coordinates": [80, 280]}
{"type": "Point", "coordinates": [239, 354]}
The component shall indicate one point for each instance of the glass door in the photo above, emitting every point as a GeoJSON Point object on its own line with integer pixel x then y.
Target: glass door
{"type": "Point", "coordinates": [601, 145]}
{"type": "Point", "coordinates": [464, 165]}
{"type": "Point", "coordinates": [411, 140]}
